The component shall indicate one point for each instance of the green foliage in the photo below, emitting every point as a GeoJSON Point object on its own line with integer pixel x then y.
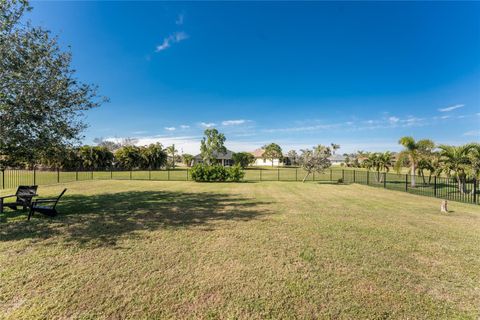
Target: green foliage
{"type": "Point", "coordinates": [171, 151]}
{"type": "Point", "coordinates": [293, 158]}
{"type": "Point", "coordinates": [94, 158]}
{"type": "Point", "coordinates": [315, 160]}
{"type": "Point", "coordinates": [215, 173]}
{"type": "Point", "coordinates": [41, 100]}
{"type": "Point", "coordinates": [153, 156]}
{"type": "Point", "coordinates": [128, 157]}
{"type": "Point", "coordinates": [133, 157]}
{"type": "Point", "coordinates": [243, 159]}
{"type": "Point", "coordinates": [213, 142]}
{"type": "Point", "coordinates": [187, 159]}
{"type": "Point", "coordinates": [272, 151]}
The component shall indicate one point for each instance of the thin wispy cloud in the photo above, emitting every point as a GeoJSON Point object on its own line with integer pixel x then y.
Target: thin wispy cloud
{"type": "Point", "coordinates": [180, 19]}
{"type": "Point", "coordinates": [233, 122]}
{"type": "Point", "coordinates": [472, 133]}
{"type": "Point", "coordinates": [207, 124]}
{"type": "Point", "coordinates": [451, 108]}
{"type": "Point", "coordinates": [175, 37]}
{"type": "Point", "coordinates": [393, 119]}
{"type": "Point", "coordinates": [170, 128]}
{"type": "Point", "coordinates": [184, 126]}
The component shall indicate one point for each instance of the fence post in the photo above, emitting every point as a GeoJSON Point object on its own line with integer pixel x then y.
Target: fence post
{"type": "Point", "coordinates": [76, 174]}
{"type": "Point", "coordinates": [384, 180]}
{"type": "Point", "coordinates": [368, 176]}
{"type": "Point", "coordinates": [435, 186]}
{"type": "Point", "coordinates": [331, 175]}
{"type": "Point", "coordinates": [34, 176]}
{"type": "Point", "coordinates": [58, 175]}
{"type": "Point", "coordinates": [3, 179]}
{"type": "Point", "coordinates": [168, 174]}
{"type": "Point", "coordinates": [353, 175]}
{"type": "Point", "coordinates": [261, 174]}
{"type": "Point", "coordinates": [131, 174]}
{"type": "Point", "coordinates": [343, 175]}
{"type": "Point", "coordinates": [406, 182]}
{"type": "Point", "coordinates": [187, 174]}
{"type": "Point", "coordinates": [474, 190]}
{"type": "Point", "coordinates": [111, 173]}
{"type": "Point", "coordinates": [149, 174]}
{"type": "Point", "coordinates": [296, 174]}
{"type": "Point", "coordinates": [91, 176]}
{"type": "Point", "coordinates": [278, 174]}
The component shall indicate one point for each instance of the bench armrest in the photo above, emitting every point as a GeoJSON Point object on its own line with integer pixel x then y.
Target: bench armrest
{"type": "Point", "coordinates": [4, 197]}
{"type": "Point", "coordinates": [45, 200]}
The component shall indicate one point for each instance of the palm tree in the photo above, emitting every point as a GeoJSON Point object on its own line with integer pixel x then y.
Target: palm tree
{"type": "Point", "coordinates": [384, 162]}
{"type": "Point", "coordinates": [412, 153]}
{"type": "Point", "coordinates": [475, 159]}
{"type": "Point", "coordinates": [171, 150]}
{"type": "Point", "coordinates": [432, 164]}
{"type": "Point", "coordinates": [456, 159]}
{"type": "Point", "coordinates": [335, 147]}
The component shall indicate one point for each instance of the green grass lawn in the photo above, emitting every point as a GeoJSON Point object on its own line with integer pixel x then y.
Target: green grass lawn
{"type": "Point", "coordinates": [155, 249]}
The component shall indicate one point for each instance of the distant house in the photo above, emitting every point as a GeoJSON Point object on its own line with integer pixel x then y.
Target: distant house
{"type": "Point", "coordinates": [337, 159]}
{"type": "Point", "coordinates": [224, 159]}
{"type": "Point", "coordinates": [260, 161]}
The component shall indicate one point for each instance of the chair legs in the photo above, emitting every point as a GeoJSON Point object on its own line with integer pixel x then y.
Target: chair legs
{"type": "Point", "coordinates": [30, 214]}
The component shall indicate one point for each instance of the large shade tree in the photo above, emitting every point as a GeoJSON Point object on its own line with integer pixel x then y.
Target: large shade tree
{"type": "Point", "coordinates": [243, 159]}
{"type": "Point", "coordinates": [271, 152]}
{"type": "Point", "coordinates": [41, 100]}
{"type": "Point", "coordinates": [212, 143]}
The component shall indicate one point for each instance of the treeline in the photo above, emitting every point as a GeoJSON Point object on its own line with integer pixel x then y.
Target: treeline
{"type": "Point", "coordinates": [424, 159]}
{"type": "Point", "coordinates": [153, 156]}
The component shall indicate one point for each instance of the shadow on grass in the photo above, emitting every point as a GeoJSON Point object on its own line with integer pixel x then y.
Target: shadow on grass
{"type": "Point", "coordinates": [100, 220]}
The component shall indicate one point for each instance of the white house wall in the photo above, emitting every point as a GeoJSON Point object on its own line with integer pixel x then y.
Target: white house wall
{"type": "Point", "coordinates": [266, 162]}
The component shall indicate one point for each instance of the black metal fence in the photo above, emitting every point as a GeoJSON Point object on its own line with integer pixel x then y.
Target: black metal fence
{"type": "Point", "coordinates": [440, 187]}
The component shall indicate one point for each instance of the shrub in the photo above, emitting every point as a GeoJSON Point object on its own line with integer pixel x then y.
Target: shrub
{"type": "Point", "coordinates": [340, 180]}
{"type": "Point", "coordinates": [204, 173]}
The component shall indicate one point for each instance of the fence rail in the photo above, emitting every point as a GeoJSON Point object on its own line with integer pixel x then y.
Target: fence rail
{"type": "Point", "coordinates": [440, 187]}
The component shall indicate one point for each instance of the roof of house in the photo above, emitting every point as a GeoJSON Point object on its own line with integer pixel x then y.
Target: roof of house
{"type": "Point", "coordinates": [336, 157]}
{"type": "Point", "coordinates": [258, 153]}
{"type": "Point", "coordinates": [227, 156]}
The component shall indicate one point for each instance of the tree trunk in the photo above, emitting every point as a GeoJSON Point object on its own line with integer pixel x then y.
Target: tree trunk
{"type": "Point", "coordinates": [461, 185]}
{"type": "Point", "coordinates": [413, 174]}
{"type": "Point", "coordinates": [306, 176]}
{"type": "Point", "coordinates": [423, 178]}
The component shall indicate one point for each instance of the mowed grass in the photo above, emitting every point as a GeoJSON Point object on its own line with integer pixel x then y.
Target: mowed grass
{"type": "Point", "coordinates": [150, 249]}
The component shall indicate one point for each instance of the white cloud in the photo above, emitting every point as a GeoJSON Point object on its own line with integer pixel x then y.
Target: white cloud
{"type": "Point", "coordinates": [475, 133]}
{"type": "Point", "coordinates": [305, 128]}
{"type": "Point", "coordinates": [184, 126]}
{"type": "Point", "coordinates": [207, 124]}
{"type": "Point", "coordinates": [180, 19]}
{"type": "Point", "coordinates": [451, 108]}
{"type": "Point", "coordinates": [393, 119]}
{"type": "Point", "coordinates": [233, 122]}
{"type": "Point", "coordinates": [170, 128]}
{"type": "Point", "coordinates": [175, 37]}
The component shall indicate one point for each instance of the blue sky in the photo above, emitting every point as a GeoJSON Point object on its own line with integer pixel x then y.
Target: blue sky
{"type": "Point", "coordinates": [299, 74]}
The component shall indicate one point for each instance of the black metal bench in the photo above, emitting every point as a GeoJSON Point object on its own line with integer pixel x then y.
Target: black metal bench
{"type": "Point", "coordinates": [23, 199]}
{"type": "Point", "coordinates": [45, 206]}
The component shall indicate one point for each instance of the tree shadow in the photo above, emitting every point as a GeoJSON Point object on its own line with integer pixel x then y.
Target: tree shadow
{"type": "Point", "coordinates": [100, 220]}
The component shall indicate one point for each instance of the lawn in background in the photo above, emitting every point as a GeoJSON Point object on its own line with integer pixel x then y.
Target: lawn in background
{"type": "Point", "coordinates": [146, 249]}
